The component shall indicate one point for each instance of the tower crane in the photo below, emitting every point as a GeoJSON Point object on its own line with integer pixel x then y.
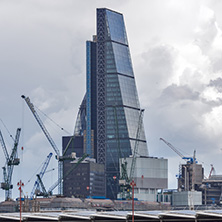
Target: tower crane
{"type": "Point", "coordinates": [126, 179]}
{"type": "Point", "coordinates": [11, 161]}
{"type": "Point", "coordinates": [186, 182]}
{"type": "Point", "coordinates": [59, 157]}
{"type": "Point", "coordinates": [132, 169]}
{"type": "Point", "coordinates": [49, 192]}
{"type": "Point", "coordinates": [187, 159]}
{"type": "Point", "coordinates": [36, 186]}
{"type": "Point", "coordinates": [212, 171]}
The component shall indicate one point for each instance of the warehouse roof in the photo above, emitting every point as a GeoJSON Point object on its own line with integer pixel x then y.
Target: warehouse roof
{"type": "Point", "coordinates": [181, 215]}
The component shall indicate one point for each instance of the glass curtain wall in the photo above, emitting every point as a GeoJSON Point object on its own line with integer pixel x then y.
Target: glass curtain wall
{"type": "Point", "coordinates": [121, 104]}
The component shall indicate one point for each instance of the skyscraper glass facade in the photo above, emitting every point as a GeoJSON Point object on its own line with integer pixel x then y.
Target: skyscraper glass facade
{"type": "Point", "coordinates": [112, 104]}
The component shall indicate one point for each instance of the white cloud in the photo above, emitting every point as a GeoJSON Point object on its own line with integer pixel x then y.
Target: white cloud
{"type": "Point", "coordinates": [212, 122]}
{"type": "Point", "coordinates": [185, 107]}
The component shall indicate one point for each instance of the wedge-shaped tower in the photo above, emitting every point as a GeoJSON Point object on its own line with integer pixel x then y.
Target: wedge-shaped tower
{"type": "Point", "coordinates": [110, 121]}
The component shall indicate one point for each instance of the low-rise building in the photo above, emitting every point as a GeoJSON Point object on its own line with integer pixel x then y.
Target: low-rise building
{"type": "Point", "coordinates": [150, 175]}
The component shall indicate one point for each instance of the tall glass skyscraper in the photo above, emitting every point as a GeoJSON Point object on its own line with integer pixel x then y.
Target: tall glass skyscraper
{"type": "Point", "coordinates": [109, 114]}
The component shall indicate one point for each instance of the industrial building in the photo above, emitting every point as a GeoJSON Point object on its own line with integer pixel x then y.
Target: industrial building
{"type": "Point", "coordinates": [190, 176]}
{"type": "Point", "coordinates": [212, 190]}
{"type": "Point", "coordinates": [151, 174]}
{"type": "Point", "coordinates": [194, 189]}
{"type": "Point", "coordinates": [187, 198]}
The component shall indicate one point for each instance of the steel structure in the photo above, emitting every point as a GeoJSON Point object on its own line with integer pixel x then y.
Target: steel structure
{"type": "Point", "coordinates": [37, 183]}
{"type": "Point", "coordinates": [45, 131]}
{"type": "Point", "coordinates": [187, 159]}
{"type": "Point", "coordinates": [212, 171]}
{"type": "Point", "coordinates": [132, 169]}
{"type": "Point", "coordinates": [49, 192]}
{"type": "Point", "coordinates": [101, 77]}
{"type": "Point", "coordinates": [11, 161]}
{"type": "Point", "coordinates": [59, 157]}
{"type": "Point", "coordinates": [125, 179]}
{"type": "Point", "coordinates": [173, 148]}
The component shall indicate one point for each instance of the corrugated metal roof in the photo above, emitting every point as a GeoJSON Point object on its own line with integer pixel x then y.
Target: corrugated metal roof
{"type": "Point", "coordinates": [211, 213]}
{"type": "Point", "coordinates": [78, 215]}
{"type": "Point", "coordinates": [122, 215]}
{"type": "Point", "coordinates": [113, 214]}
{"type": "Point", "coordinates": [180, 213]}
{"type": "Point", "coordinates": [147, 214]}
{"type": "Point", "coordinates": [13, 216]}
{"type": "Point", "coordinates": [45, 215]}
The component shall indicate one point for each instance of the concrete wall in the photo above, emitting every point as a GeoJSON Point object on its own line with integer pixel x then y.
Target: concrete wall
{"type": "Point", "coordinates": [150, 175]}
{"type": "Point", "coordinates": [187, 198]}
{"type": "Point", "coordinates": [150, 172]}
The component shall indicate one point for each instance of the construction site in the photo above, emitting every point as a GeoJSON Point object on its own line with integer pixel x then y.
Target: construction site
{"type": "Point", "coordinates": [105, 165]}
{"type": "Point", "coordinates": [194, 189]}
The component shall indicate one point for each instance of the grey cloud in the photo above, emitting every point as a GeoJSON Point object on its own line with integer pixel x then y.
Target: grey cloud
{"type": "Point", "coordinates": [176, 93]}
{"type": "Point", "coordinates": [160, 60]}
{"type": "Point", "coordinates": [217, 64]}
{"type": "Point", "coordinates": [156, 68]}
{"type": "Point", "coordinates": [217, 83]}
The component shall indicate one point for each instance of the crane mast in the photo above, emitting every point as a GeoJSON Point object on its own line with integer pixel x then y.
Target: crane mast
{"type": "Point", "coordinates": [4, 147]}
{"type": "Point", "coordinates": [44, 192]}
{"type": "Point", "coordinates": [126, 179]}
{"type": "Point", "coordinates": [13, 160]}
{"type": "Point", "coordinates": [132, 169]}
{"type": "Point", "coordinates": [10, 163]}
{"type": "Point", "coordinates": [45, 131]}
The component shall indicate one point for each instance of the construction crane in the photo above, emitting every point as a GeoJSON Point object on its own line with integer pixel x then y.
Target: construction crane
{"type": "Point", "coordinates": [212, 171]}
{"type": "Point", "coordinates": [126, 179]}
{"type": "Point", "coordinates": [132, 169]}
{"type": "Point", "coordinates": [11, 161]}
{"type": "Point", "coordinates": [187, 159]}
{"type": "Point", "coordinates": [36, 187]}
{"type": "Point", "coordinates": [59, 157]}
{"type": "Point", "coordinates": [187, 175]}
{"type": "Point", "coordinates": [45, 193]}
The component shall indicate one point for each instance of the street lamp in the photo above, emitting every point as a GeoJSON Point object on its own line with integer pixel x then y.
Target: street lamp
{"type": "Point", "coordinates": [132, 184]}
{"type": "Point", "coordinates": [20, 184]}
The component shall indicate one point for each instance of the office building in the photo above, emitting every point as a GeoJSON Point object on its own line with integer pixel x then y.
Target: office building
{"type": "Point", "coordinates": [108, 118]}
{"type": "Point", "coordinates": [87, 180]}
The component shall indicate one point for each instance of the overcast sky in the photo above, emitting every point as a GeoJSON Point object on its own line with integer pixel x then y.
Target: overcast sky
{"type": "Point", "coordinates": [176, 50]}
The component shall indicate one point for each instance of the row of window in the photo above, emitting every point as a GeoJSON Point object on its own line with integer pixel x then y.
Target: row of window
{"type": "Point", "coordinates": [116, 27]}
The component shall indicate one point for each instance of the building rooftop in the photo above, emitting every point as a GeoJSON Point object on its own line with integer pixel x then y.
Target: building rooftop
{"type": "Point", "coordinates": [181, 215]}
